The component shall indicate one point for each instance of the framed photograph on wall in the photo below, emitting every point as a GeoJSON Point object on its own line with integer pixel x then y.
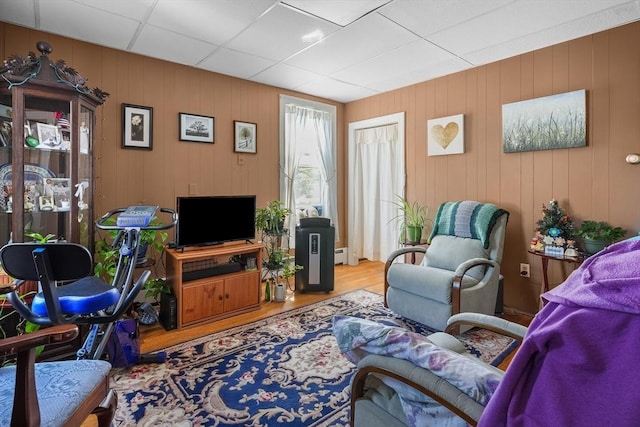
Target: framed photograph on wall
{"type": "Point", "coordinates": [137, 127]}
{"type": "Point", "coordinates": [245, 137]}
{"type": "Point", "coordinates": [197, 128]}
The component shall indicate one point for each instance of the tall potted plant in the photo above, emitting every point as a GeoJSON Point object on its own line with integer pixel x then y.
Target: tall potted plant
{"type": "Point", "coordinates": [413, 218]}
{"type": "Point", "coordinates": [596, 235]}
{"type": "Point", "coordinates": [270, 219]}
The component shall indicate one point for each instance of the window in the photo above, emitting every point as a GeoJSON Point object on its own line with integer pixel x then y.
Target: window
{"type": "Point", "coordinates": [308, 172]}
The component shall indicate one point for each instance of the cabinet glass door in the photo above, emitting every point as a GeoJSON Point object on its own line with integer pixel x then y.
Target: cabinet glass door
{"type": "Point", "coordinates": [83, 190]}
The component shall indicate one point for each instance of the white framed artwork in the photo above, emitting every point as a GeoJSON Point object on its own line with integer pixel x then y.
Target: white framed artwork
{"type": "Point", "coordinates": [445, 135]}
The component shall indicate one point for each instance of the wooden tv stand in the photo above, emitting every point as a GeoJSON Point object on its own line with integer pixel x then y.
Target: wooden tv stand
{"type": "Point", "coordinates": [212, 293]}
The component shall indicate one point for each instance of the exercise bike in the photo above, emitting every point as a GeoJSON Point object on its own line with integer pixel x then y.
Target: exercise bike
{"type": "Point", "coordinates": [69, 293]}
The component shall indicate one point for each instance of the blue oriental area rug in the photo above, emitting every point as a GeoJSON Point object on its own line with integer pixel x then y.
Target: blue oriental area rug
{"type": "Point", "coordinates": [285, 369]}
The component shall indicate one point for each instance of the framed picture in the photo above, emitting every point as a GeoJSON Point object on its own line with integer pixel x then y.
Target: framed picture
{"type": "Point", "coordinates": [546, 123]}
{"type": "Point", "coordinates": [245, 137]}
{"type": "Point", "coordinates": [48, 136]}
{"type": "Point", "coordinates": [137, 127]}
{"type": "Point", "coordinates": [197, 128]}
{"type": "Point", "coordinates": [60, 191]}
{"type": "Point", "coordinates": [45, 203]}
{"type": "Point", "coordinates": [445, 135]}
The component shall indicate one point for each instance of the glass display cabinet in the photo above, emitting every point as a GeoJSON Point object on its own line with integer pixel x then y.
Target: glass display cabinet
{"type": "Point", "coordinates": [47, 119]}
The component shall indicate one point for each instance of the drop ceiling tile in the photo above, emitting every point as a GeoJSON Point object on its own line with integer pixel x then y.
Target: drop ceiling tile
{"type": "Point", "coordinates": [515, 20]}
{"type": "Point", "coordinates": [348, 46]}
{"type": "Point", "coordinates": [577, 28]}
{"type": "Point", "coordinates": [213, 21]}
{"type": "Point", "coordinates": [285, 76]}
{"type": "Point", "coordinates": [134, 9]}
{"type": "Point", "coordinates": [422, 74]}
{"type": "Point", "coordinates": [341, 12]}
{"type": "Point", "coordinates": [18, 12]}
{"type": "Point", "coordinates": [278, 33]}
{"type": "Point", "coordinates": [233, 63]}
{"type": "Point", "coordinates": [428, 17]}
{"type": "Point", "coordinates": [82, 22]}
{"type": "Point", "coordinates": [326, 87]}
{"type": "Point", "coordinates": [416, 55]}
{"type": "Point", "coordinates": [159, 43]}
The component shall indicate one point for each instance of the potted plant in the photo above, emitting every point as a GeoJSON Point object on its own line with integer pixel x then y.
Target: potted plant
{"type": "Point", "coordinates": [413, 218]}
{"type": "Point", "coordinates": [596, 235]}
{"type": "Point", "coordinates": [270, 219]}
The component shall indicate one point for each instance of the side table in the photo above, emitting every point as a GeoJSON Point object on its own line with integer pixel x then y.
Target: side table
{"type": "Point", "coordinates": [413, 254]}
{"type": "Point", "coordinates": [545, 267]}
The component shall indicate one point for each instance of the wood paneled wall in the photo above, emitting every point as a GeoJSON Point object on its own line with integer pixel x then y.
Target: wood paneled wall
{"type": "Point", "coordinates": [592, 182]}
{"type": "Point", "coordinates": [173, 167]}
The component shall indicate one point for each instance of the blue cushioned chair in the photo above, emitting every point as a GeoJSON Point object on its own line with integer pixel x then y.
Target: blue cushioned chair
{"type": "Point", "coordinates": [61, 393]}
{"type": "Point", "coordinates": [460, 269]}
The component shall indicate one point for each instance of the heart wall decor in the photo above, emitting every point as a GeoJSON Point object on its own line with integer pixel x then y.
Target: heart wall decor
{"type": "Point", "coordinates": [445, 135]}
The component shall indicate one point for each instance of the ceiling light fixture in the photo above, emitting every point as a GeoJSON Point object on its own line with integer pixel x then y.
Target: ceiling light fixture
{"type": "Point", "coordinates": [312, 37]}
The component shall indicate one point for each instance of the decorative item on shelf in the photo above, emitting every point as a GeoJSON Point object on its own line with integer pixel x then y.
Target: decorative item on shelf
{"type": "Point", "coordinates": [554, 243]}
{"type": "Point", "coordinates": [571, 250]}
{"type": "Point", "coordinates": [596, 235]}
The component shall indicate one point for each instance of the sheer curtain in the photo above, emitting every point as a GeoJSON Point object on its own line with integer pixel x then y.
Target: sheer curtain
{"type": "Point", "coordinates": [298, 121]}
{"type": "Point", "coordinates": [378, 180]}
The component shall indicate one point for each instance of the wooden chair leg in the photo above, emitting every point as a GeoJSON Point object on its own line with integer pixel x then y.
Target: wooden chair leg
{"type": "Point", "coordinates": [107, 409]}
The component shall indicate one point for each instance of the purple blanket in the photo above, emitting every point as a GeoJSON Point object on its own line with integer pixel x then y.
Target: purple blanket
{"type": "Point", "coordinates": [579, 363]}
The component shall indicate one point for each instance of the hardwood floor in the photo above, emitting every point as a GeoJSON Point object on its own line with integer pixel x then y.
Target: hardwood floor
{"type": "Point", "coordinates": [367, 275]}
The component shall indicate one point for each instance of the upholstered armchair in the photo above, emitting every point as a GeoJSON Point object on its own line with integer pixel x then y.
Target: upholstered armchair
{"type": "Point", "coordinates": [460, 269]}
{"type": "Point", "coordinates": [407, 379]}
{"type": "Point", "coordinates": [62, 393]}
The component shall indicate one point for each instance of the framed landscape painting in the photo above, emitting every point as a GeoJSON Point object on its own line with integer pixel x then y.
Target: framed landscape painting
{"type": "Point", "coordinates": [245, 137]}
{"type": "Point", "coordinates": [197, 128]}
{"type": "Point", "coordinates": [547, 123]}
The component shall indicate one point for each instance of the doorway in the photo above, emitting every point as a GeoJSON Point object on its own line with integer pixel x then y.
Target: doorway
{"type": "Point", "coordinates": [376, 179]}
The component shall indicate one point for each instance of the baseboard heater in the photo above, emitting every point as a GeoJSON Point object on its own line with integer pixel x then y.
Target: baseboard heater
{"type": "Point", "coordinates": [340, 256]}
{"type": "Point", "coordinates": [216, 270]}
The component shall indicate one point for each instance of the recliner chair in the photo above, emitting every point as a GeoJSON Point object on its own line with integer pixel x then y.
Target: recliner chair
{"type": "Point", "coordinates": [460, 270]}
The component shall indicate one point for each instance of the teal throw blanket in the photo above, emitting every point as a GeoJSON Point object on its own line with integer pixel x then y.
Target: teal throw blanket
{"type": "Point", "coordinates": [466, 219]}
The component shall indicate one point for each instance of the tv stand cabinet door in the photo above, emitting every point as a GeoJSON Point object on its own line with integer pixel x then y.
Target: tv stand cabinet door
{"type": "Point", "coordinates": [241, 292]}
{"type": "Point", "coordinates": [202, 300]}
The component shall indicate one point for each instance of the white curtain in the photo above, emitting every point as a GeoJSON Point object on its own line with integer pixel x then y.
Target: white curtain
{"type": "Point", "coordinates": [378, 180]}
{"type": "Point", "coordinates": [295, 120]}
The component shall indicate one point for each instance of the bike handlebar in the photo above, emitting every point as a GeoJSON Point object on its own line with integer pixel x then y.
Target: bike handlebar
{"type": "Point", "coordinates": [102, 224]}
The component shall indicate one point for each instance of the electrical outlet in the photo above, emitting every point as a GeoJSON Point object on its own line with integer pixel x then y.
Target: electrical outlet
{"type": "Point", "coordinates": [524, 270]}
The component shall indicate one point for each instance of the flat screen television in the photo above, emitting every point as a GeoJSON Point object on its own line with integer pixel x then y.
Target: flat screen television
{"type": "Point", "coordinates": [212, 220]}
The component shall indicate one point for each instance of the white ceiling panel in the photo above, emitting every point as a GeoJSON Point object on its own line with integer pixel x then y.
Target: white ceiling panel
{"type": "Point", "coordinates": [21, 13]}
{"type": "Point", "coordinates": [341, 12]}
{"type": "Point", "coordinates": [278, 34]}
{"type": "Point", "coordinates": [417, 55]}
{"type": "Point", "coordinates": [175, 47]}
{"type": "Point", "coordinates": [86, 23]}
{"type": "Point", "coordinates": [234, 63]}
{"type": "Point", "coordinates": [348, 46]}
{"type": "Point", "coordinates": [286, 76]}
{"type": "Point", "coordinates": [213, 21]}
{"type": "Point", "coordinates": [362, 47]}
{"type": "Point", "coordinates": [134, 9]}
{"type": "Point", "coordinates": [333, 89]}
{"type": "Point", "coordinates": [428, 17]}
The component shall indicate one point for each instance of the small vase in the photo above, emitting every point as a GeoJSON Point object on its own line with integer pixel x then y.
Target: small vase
{"type": "Point", "coordinates": [414, 234]}
{"type": "Point", "coordinates": [267, 291]}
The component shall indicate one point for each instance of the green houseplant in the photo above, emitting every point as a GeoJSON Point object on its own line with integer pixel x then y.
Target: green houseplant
{"type": "Point", "coordinates": [270, 219]}
{"type": "Point", "coordinates": [413, 218]}
{"type": "Point", "coordinates": [596, 235]}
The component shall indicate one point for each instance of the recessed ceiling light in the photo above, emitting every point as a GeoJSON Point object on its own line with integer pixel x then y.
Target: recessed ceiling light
{"type": "Point", "coordinates": [312, 37]}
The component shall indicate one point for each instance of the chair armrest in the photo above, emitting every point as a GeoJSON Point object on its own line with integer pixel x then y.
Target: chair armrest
{"type": "Point", "coordinates": [53, 335]}
{"type": "Point", "coordinates": [418, 378]}
{"type": "Point", "coordinates": [392, 257]}
{"type": "Point", "coordinates": [474, 262]}
{"type": "Point", "coordinates": [492, 323]}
